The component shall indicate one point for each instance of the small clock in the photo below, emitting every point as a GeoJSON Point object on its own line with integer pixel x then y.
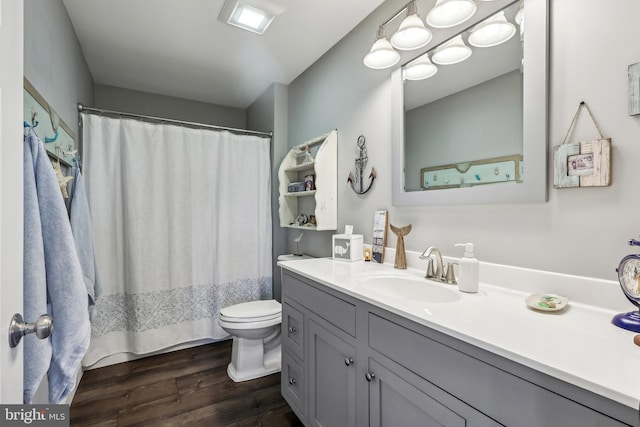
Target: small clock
{"type": "Point", "coordinates": [629, 278]}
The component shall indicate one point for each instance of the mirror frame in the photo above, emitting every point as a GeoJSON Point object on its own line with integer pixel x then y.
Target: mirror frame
{"type": "Point", "coordinates": [535, 130]}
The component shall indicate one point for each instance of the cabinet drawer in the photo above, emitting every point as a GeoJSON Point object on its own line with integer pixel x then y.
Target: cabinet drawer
{"type": "Point", "coordinates": [340, 313]}
{"type": "Point", "coordinates": [293, 384]}
{"type": "Point", "coordinates": [292, 331]}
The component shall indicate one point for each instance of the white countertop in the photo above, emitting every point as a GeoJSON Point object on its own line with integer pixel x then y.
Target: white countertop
{"type": "Point", "coordinates": [578, 345]}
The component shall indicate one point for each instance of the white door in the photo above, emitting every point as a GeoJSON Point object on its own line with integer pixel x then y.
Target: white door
{"type": "Point", "coordinates": [11, 205]}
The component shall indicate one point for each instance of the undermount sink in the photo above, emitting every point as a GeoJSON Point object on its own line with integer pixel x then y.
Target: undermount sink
{"type": "Point", "coordinates": [408, 287]}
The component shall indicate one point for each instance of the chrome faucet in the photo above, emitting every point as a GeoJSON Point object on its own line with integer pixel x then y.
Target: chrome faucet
{"type": "Point", "coordinates": [438, 274]}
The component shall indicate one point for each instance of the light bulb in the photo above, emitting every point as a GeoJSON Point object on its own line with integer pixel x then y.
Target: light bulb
{"type": "Point", "coordinates": [451, 52]}
{"type": "Point", "coordinates": [492, 31]}
{"type": "Point", "coordinates": [412, 33]}
{"type": "Point", "coordinates": [382, 55]}
{"type": "Point", "coordinates": [419, 69]}
{"type": "Point", "coordinates": [449, 13]}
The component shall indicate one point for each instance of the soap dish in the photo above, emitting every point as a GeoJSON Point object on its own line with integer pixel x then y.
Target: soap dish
{"type": "Point", "coordinates": [547, 302]}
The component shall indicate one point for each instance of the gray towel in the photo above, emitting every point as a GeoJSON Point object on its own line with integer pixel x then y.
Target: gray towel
{"type": "Point", "coordinates": [83, 237]}
{"type": "Point", "coordinates": [67, 295]}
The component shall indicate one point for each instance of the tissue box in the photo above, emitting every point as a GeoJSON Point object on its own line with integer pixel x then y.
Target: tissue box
{"type": "Point", "coordinates": [347, 247]}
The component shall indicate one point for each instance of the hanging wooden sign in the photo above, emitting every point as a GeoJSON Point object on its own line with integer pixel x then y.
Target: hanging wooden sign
{"type": "Point", "coordinates": [584, 163]}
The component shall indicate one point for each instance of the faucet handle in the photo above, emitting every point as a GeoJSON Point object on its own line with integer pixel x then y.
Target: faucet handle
{"type": "Point", "coordinates": [450, 277]}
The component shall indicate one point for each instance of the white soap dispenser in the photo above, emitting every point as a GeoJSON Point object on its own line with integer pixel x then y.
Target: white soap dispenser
{"type": "Point", "coordinates": [468, 276]}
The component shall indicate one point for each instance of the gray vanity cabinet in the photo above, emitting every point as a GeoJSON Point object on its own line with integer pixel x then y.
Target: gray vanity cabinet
{"type": "Point", "coordinates": [318, 377]}
{"type": "Point", "coordinates": [504, 390]}
{"type": "Point", "coordinates": [395, 372]}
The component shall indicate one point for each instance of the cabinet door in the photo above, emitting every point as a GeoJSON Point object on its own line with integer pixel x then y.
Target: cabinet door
{"type": "Point", "coordinates": [400, 398]}
{"type": "Point", "coordinates": [332, 378]}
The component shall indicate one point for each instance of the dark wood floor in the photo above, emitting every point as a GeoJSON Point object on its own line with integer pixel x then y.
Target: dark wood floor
{"type": "Point", "coordinates": [183, 388]}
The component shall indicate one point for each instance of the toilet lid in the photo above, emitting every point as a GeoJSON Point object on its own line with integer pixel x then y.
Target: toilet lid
{"type": "Point", "coordinates": [253, 309]}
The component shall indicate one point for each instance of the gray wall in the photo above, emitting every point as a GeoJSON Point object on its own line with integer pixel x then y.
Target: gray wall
{"type": "Point", "coordinates": [149, 104]}
{"type": "Point", "coordinates": [480, 122]}
{"type": "Point", "coordinates": [269, 113]}
{"type": "Point", "coordinates": [578, 231]}
{"type": "Point", "coordinates": [53, 60]}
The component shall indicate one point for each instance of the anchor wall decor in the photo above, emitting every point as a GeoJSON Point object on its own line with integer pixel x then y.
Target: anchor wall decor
{"type": "Point", "coordinates": [357, 181]}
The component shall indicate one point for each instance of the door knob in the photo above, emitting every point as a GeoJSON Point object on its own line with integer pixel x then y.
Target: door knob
{"type": "Point", "coordinates": [369, 376]}
{"type": "Point", "coordinates": [348, 360]}
{"type": "Point", "coordinates": [292, 329]}
{"type": "Point", "coordinates": [18, 328]}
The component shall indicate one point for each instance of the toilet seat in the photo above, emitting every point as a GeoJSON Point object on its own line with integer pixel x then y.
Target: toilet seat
{"type": "Point", "coordinates": [261, 311]}
{"type": "Point", "coordinates": [244, 325]}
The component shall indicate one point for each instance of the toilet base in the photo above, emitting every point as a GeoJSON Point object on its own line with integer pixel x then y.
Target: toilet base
{"type": "Point", "coordinates": [246, 376]}
{"type": "Point", "coordinates": [270, 364]}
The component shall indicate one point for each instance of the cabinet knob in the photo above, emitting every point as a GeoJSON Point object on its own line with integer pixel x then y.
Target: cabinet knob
{"type": "Point", "coordinates": [369, 376]}
{"type": "Point", "coordinates": [292, 381]}
{"type": "Point", "coordinates": [292, 329]}
{"type": "Point", "coordinates": [348, 361]}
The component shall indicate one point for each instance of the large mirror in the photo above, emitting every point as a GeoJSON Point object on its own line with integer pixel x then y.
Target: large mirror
{"type": "Point", "coordinates": [476, 131]}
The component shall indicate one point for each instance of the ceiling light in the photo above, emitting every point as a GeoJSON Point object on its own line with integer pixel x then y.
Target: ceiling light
{"type": "Point", "coordinates": [451, 52]}
{"type": "Point", "coordinates": [449, 13]}
{"type": "Point", "coordinates": [412, 33]}
{"type": "Point", "coordinates": [492, 31]}
{"type": "Point", "coordinates": [382, 55]}
{"type": "Point", "coordinates": [250, 15]}
{"type": "Point", "coordinates": [419, 69]}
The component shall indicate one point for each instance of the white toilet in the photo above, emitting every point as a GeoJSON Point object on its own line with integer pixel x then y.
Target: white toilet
{"type": "Point", "coordinates": [255, 327]}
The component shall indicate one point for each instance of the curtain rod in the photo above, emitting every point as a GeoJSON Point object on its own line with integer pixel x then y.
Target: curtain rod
{"type": "Point", "coordinates": [83, 108]}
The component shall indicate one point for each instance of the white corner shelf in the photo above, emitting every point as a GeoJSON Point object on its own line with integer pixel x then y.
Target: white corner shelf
{"type": "Point", "coordinates": [301, 167]}
{"type": "Point", "coordinates": [301, 193]}
{"type": "Point", "coordinates": [324, 203]}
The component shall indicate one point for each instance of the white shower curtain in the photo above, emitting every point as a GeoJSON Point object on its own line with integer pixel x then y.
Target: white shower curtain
{"type": "Point", "coordinates": [182, 224]}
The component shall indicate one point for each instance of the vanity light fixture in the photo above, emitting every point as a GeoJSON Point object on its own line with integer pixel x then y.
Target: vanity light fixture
{"type": "Point", "coordinates": [451, 52]}
{"type": "Point", "coordinates": [449, 13]}
{"type": "Point", "coordinates": [412, 33]}
{"type": "Point", "coordinates": [492, 31]}
{"type": "Point", "coordinates": [382, 55]}
{"type": "Point", "coordinates": [250, 15]}
{"type": "Point", "coordinates": [419, 69]}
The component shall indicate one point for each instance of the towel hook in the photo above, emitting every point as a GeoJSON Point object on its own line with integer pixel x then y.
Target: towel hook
{"type": "Point", "coordinates": [18, 328]}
